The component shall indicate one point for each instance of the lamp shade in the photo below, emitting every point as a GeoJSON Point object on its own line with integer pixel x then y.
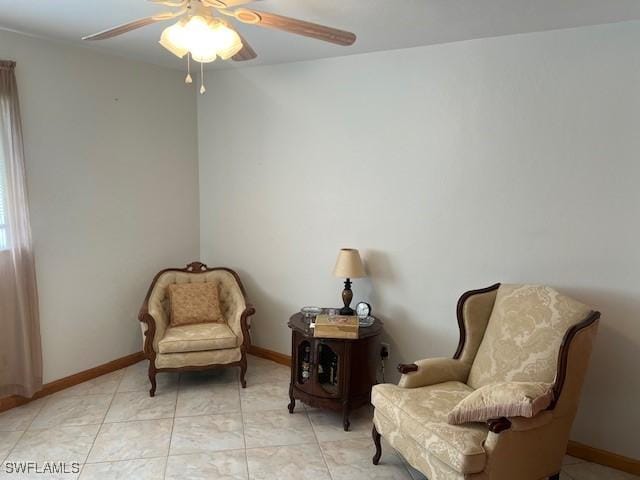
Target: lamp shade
{"type": "Point", "coordinates": [349, 264]}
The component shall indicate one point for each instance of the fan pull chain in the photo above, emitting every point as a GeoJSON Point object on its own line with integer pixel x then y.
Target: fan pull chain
{"type": "Point", "coordinates": [202, 89]}
{"type": "Point", "coordinates": [188, 79]}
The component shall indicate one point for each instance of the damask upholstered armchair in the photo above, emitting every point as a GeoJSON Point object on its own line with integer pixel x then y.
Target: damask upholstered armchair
{"type": "Point", "coordinates": [196, 346]}
{"type": "Point", "coordinates": [526, 339]}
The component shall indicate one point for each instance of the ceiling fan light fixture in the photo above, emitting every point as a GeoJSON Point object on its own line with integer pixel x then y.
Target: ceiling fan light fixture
{"type": "Point", "coordinates": [198, 30]}
{"type": "Point", "coordinates": [174, 38]}
{"type": "Point", "coordinates": [227, 41]}
{"type": "Point", "coordinates": [203, 54]}
{"type": "Point", "coordinates": [205, 38]}
{"type": "Point", "coordinates": [230, 52]}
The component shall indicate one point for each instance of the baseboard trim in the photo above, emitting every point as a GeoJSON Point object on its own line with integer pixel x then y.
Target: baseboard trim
{"type": "Point", "coordinates": [277, 357]}
{"type": "Point", "coordinates": [603, 457]}
{"type": "Point", "coordinates": [12, 401]}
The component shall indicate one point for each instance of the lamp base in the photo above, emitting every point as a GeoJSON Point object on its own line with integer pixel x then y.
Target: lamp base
{"type": "Point", "coordinates": [347, 296]}
{"type": "Point", "coordinates": [347, 311]}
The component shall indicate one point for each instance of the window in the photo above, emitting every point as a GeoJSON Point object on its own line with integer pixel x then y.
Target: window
{"type": "Point", "coordinates": [4, 237]}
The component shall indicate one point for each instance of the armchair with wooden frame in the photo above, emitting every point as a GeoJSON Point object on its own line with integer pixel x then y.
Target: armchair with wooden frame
{"type": "Point", "coordinates": [509, 334]}
{"type": "Point", "coordinates": [199, 346]}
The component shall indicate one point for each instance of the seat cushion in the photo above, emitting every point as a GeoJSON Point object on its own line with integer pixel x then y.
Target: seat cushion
{"type": "Point", "coordinates": [198, 359]}
{"type": "Point", "coordinates": [421, 414]}
{"type": "Point", "coordinates": [197, 338]}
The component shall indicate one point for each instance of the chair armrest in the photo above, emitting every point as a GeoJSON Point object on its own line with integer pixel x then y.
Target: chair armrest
{"type": "Point", "coordinates": [249, 310]}
{"type": "Point", "coordinates": [519, 424]}
{"type": "Point", "coordinates": [153, 328]}
{"type": "Point", "coordinates": [407, 368]}
{"type": "Point", "coordinates": [149, 331]}
{"type": "Point", "coordinates": [431, 371]}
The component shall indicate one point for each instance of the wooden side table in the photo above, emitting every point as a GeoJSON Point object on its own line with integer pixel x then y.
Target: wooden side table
{"type": "Point", "coordinates": [333, 373]}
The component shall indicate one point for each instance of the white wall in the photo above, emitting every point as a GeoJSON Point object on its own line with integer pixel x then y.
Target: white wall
{"type": "Point", "coordinates": [111, 156]}
{"type": "Point", "coordinates": [451, 167]}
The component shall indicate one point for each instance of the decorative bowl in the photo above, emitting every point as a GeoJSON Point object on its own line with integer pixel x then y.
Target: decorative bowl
{"type": "Point", "coordinates": [366, 321]}
{"type": "Point", "coordinates": [311, 311]}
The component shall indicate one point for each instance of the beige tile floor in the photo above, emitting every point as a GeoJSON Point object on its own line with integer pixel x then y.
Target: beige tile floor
{"type": "Point", "coordinates": [204, 426]}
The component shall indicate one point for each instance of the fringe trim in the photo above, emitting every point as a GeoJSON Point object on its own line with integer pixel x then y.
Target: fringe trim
{"type": "Point", "coordinates": [522, 408]}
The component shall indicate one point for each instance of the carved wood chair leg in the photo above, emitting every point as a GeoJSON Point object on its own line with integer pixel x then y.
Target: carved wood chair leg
{"type": "Point", "coordinates": [152, 379]}
{"type": "Point", "coordinates": [243, 371]}
{"type": "Point", "coordinates": [376, 441]}
{"type": "Point", "coordinates": [555, 477]}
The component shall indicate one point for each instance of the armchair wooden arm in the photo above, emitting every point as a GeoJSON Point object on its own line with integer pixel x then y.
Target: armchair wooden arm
{"type": "Point", "coordinates": [149, 334]}
{"type": "Point", "coordinates": [563, 355]}
{"type": "Point", "coordinates": [497, 425]}
{"type": "Point", "coordinates": [407, 368]}
{"type": "Point", "coordinates": [145, 317]}
{"type": "Point", "coordinates": [430, 371]}
{"type": "Point", "coordinates": [249, 310]}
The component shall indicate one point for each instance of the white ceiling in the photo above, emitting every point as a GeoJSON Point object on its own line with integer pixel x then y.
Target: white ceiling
{"type": "Point", "coordinates": [379, 24]}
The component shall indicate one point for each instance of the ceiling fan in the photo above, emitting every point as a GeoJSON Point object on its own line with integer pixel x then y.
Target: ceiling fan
{"type": "Point", "coordinates": [203, 35]}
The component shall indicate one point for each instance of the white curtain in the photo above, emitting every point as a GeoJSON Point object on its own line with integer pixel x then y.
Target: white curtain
{"type": "Point", "coordinates": [20, 346]}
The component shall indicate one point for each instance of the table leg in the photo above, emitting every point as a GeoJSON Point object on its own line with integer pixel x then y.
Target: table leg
{"type": "Point", "coordinates": [346, 409]}
{"type": "Point", "coordinates": [292, 401]}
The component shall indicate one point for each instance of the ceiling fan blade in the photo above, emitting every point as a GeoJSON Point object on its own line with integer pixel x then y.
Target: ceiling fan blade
{"type": "Point", "coordinates": [235, 3]}
{"type": "Point", "coordinates": [169, 3]}
{"type": "Point", "coordinates": [247, 53]}
{"type": "Point", "coordinates": [225, 3]}
{"type": "Point", "coordinates": [127, 27]}
{"type": "Point", "coordinates": [292, 25]}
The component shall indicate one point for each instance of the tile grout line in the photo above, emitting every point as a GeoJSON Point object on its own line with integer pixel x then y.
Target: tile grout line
{"type": "Point", "coordinates": [184, 454]}
{"type": "Point", "coordinates": [133, 420]}
{"type": "Point", "coordinates": [126, 460]}
{"type": "Point", "coordinates": [113, 396]}
{"type": "Point", "coordinates": [25, 430]}
{"type": "Point", "coordinates": [14, 445]}
{"type": "Point", "coordinates": [173, 423]}
{"type": "Point", "coordinates": [44, 403]}
{"type": "Point", "coordinates": [324, 459]}
{"type": "Point", "coordinates": [244, 438]}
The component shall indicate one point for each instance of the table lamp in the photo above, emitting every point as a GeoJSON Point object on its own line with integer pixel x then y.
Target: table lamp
{"type": "Point", "coordinates": [348, 266]}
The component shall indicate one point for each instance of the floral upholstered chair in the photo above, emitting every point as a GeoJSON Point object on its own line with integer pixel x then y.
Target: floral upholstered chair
{"type": "Point", "coordinates": [502, 407]}
{"type": "Point", "coordinates": [196, 346]}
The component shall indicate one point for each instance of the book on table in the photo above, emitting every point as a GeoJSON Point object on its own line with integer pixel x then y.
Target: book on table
{"type": "Point", "coordinates": [336, 326]}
